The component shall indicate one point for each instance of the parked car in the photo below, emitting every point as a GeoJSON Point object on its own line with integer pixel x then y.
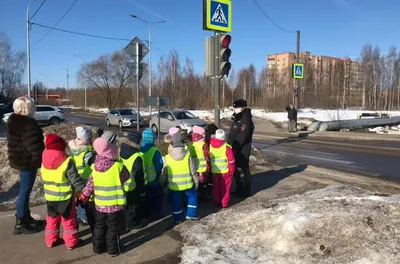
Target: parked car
{"type": "Point", "coordinates": [45, 114]}
{"type": "Point", "coordinates": [123, 117]}
{"type": "Point", "coordinates": [5, 109]}
{"type": "Point", "coordinates": [176, 118]}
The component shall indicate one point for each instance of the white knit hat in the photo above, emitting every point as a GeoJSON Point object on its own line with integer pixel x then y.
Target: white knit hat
{"type": "Point", "coordinates": [220, 134]}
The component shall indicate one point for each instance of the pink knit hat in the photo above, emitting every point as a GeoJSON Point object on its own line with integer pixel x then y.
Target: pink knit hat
{"type": "Point", "coordinates": [105, 149]}
{"type": "Point", "coordinates": [173, 130]}
{"type": "Point", "coordinates": [199, 130]}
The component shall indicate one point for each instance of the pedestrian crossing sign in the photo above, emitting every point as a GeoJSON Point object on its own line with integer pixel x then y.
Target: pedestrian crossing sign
{"type": "Point", "coordinates": [298, 71]}
{"type": "Point", "coordinates": [217, 15]}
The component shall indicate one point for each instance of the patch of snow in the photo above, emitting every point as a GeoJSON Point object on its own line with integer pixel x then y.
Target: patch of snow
{"type": "Point", "coordinates": [337, 224]}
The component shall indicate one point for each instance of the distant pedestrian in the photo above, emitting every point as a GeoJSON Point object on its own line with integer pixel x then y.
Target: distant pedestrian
{"type": "Point", "coordinates": [240, 138]}
{"type": "Point", "coordinates": [292, 116]}
{"type": "Point", "coordinates": [222, 168]}
{"type": "Point", "coordinates": [60, 183]}
{"type": "Point", "coordinates": [25, 146]}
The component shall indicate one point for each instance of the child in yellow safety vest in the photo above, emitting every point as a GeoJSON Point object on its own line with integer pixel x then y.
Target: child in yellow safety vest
{"type": "Point", "coordinates": [222, 168]}
{"type": "Point", "coordinates": [81, 151]}
{"type": "Point", "coordinates": [153, 165]}
{"type": "Point", "coordinates": [200, 150]}
{"type": "Point", "coordinates": [181, 176]}
{"type": "Point", "coordinates": [107, 183]}
{"type": "Point", "coordinates": [135, 187]}
{"type": "Point", "coordinates": [60, 181]}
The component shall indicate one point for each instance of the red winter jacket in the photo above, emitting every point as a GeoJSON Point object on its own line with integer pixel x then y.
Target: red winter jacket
{"type": "Point", "coordinates": [217, 143]}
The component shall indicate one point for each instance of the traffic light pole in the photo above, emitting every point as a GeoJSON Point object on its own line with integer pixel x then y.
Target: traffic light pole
{"type": "Point", "coordinates": [137, 87]}
{"type": "Point", "coordinates": [217, 79]}
{"type": "Point", "coordinates": [296, 95]}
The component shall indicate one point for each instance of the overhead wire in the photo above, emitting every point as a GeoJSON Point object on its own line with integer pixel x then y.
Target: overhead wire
{"type": "Point", "coordinates": [272, 21]}
{"type": "Point", "coordinates": [92, 36]}
{"type": "Point", "coordinates": [37, 10]}
{"type": "Point", "coordinates": [56, 24]}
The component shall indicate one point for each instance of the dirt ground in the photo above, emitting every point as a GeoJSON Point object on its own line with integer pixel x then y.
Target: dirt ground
{"type": "Point", "coordinates": [158, 242]}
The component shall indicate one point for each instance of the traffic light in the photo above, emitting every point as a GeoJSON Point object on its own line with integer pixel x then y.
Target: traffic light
{"type": "Point", "coordinates": [225, 54]}
{"type": "Point", "coordinates": [210, 57]}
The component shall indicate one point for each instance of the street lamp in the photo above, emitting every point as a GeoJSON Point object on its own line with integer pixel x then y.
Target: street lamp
{"type": "Point", "coordinates": [78, 56]}
{"type": "Point", "coordinates": [28, 46]}
{"type": "Point", "coordinates": [47, 89]}
{"type": "Point", "coordinates": [148, 23]}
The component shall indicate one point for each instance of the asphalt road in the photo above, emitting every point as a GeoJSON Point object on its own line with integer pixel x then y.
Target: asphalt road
{"type": "Point", "coordinates": [374, 158]}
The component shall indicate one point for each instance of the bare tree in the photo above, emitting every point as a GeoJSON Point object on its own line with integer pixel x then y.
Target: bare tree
{"type": "Point", "coordinates": [109, 74]}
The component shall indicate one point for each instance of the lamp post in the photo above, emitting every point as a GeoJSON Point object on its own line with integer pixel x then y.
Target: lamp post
{"type": "Point", "coordinates": [148, 23]}
{"type": "Point", "coordinates": [85, 79]}
{"type": "Point", "coordinates": [47, 89]}
{"type": "Point", "coordinates": [28, 47]}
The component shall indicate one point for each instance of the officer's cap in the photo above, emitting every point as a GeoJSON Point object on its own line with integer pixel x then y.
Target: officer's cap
{"type": "Point", "coordinates": [239, 103]}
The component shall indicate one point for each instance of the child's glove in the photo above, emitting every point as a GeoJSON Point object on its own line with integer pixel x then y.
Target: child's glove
{"type": "Point", "coordinates": [84, 199]}
{"type": "Point", "coordinates": [203, 177]}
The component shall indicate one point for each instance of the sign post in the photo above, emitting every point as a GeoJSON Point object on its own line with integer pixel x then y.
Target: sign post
{"type": "Point", "coordinates": [217, 17]}
{"type": "Point", "coordinates": [157, 101]}
{"type": "Point", "coordinates": [137, 51]}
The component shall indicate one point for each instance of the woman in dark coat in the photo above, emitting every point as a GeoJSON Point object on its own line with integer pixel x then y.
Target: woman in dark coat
{"type": "Point", "coordinates": [25, 147]}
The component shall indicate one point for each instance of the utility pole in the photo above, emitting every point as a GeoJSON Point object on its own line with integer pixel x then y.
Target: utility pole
{"type": "Point", "coordinates": [28, 47]}
{"type": "Point", "coordinates": [137, 87]}
{"type": "Point", "coordinates": [217, 80]}
{"type": "Point", "coordinates": [296, 95]}
{"type": "Point", "coordinates": [67, 79]}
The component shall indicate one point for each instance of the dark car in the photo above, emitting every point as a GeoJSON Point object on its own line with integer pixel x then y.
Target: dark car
{"type": "Point", "coordinates": [5, 109]}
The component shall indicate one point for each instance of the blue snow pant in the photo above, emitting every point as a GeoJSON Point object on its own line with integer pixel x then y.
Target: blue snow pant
{"type": "Point", "coordinates": [81, 214]}
{"type": "Point", "coordinates": [155, 194]}
{"type": "Point", "coordinates": [177, 204]}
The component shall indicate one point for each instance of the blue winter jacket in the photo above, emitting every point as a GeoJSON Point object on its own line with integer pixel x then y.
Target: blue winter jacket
{"type": "Point", "coordinates": [157, 161]}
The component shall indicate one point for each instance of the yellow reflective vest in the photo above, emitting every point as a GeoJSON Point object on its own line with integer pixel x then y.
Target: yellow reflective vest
{"type": "Point", "coordinates": [83, 169]}
{"type": "Point", "coordinates": [219, 160]}
{"type": "Point", "coordinates": [196, 150]}
{"type": "Point", "coordinates": [108, 190]}
{"type": "Point", "coordinates": [130, 185]}
{"type": "Point", "coordinates": [56, 185]}
{"type": "Point", "coordinates": [179, 176]}
{"type": "Point", "coordinates": [149, 166]}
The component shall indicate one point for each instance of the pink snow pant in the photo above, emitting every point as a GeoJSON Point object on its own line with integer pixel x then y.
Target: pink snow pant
{"type": "Point", "coordinates": [70, 226]}
{"type": "Point", "coordinates": [221, 189]}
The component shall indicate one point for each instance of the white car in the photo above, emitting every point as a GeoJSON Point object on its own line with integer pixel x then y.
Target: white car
{"type": "Point", "coordinates": [47, 114]}
{"type": "Point", "coordinates": [176, 118]}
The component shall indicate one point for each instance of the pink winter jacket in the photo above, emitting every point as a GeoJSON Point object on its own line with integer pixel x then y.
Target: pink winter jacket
{"type": "Point", "coordinates": [217, 143]}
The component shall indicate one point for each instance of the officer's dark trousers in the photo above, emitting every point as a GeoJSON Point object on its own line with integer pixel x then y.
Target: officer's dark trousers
{"type": "Point", "coordinates": [243, 188]}
{"type": "Point", "coordinates": [106, 233]}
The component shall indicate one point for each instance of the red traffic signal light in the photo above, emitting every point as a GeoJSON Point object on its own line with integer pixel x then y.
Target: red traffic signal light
{"type": "Point", "coordinates": [224, 54]}
{"type": "Point", "coordinates": [225, 40]}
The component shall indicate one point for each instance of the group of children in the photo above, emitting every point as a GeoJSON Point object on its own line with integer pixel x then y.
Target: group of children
{"type": "Point", "coordinates": [115, 189]}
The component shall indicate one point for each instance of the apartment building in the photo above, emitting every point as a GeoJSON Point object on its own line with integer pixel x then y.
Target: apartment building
{"type": "Point", "coordinates": [323, 69]}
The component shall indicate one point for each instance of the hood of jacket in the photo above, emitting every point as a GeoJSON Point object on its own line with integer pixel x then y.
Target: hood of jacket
{"type": "Point", "coordinates": [52, 159]}
{"type": "Point", "coordinates": [245, 113]}
{"type": "Point", "coordinates": [177, 153]}
{"type": "Point", "coordinates": [102, 164]}
{"type": "Point", "coordinates": [216, 143]}
{"type": "Point", "coordinates": [127, 150]}
{"type": "Point", "coordinates": [197, 138]}
{"type": "Point", "coordinates": [145, 146]}
{"type": "Point", "coordinates": [77, 146]}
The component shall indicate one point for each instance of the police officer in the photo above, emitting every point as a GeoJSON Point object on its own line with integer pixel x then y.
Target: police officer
{"type": "Point", "coordinates": [240, 138]}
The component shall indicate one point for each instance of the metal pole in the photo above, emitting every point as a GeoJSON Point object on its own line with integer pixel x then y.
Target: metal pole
{"type": "Point", "coordinates": [158, 120]}
{"type": "Point", "coordinates": [85, 87]}
{"type": "Point", "coordinates": [217, 80]}
{"type": "Point", "coordinates": [149, 25]}
{"type": "Point", "coordinates": [296, 96]}
{"type": "Point", "coordinates": [67, 79]}
{"type": "Point", "coordinates": [137, 88]}
{"type": "Point", "coordinates": [28, 47]}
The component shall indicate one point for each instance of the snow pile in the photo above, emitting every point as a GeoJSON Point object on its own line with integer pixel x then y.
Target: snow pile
{"type": "Point", "coordinates": [385, 130]}
{"type": "Point", "coordinates": [337, 224]}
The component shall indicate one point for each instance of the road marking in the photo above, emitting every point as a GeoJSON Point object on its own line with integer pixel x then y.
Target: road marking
{"type": "Point", "coordinates": [311, 151]}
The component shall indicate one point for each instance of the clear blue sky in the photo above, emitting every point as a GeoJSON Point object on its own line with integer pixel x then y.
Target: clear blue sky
{"type": "Point", "coordinates": [329, 27]}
